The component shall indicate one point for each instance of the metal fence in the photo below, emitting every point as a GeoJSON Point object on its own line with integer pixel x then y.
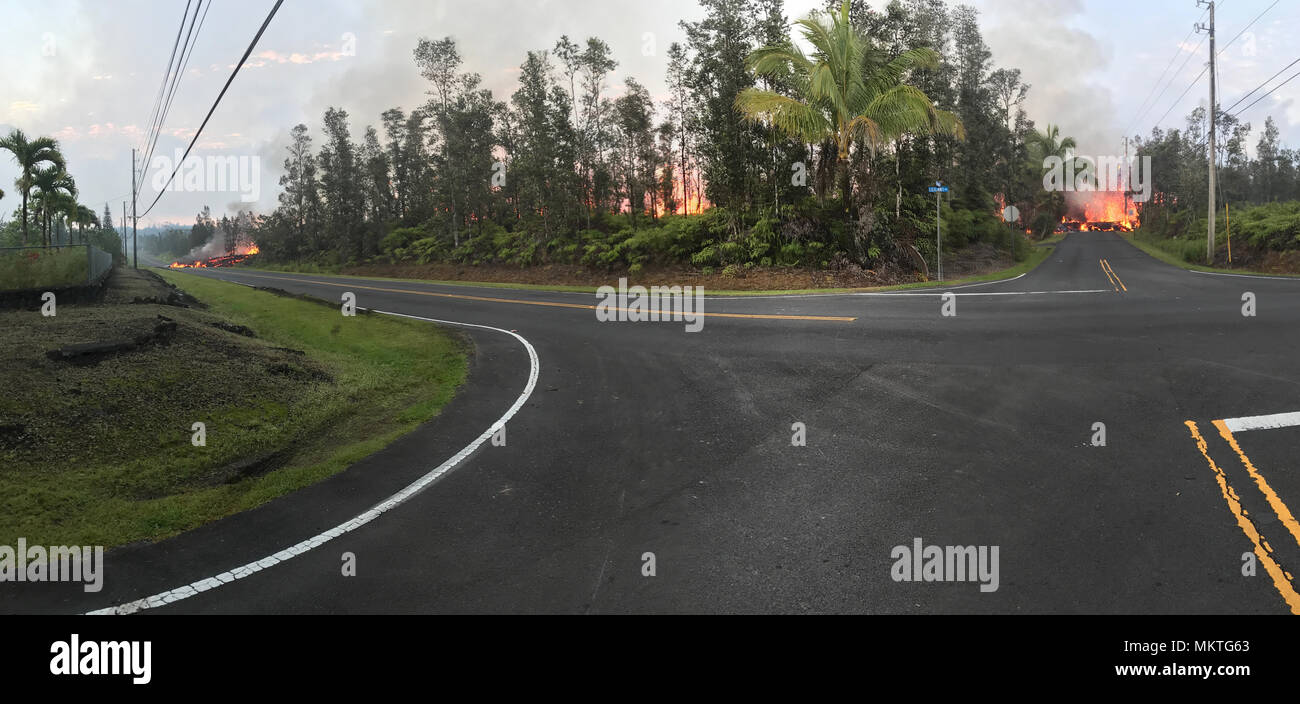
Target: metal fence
{"type": "Point", "coordinates": [98, 264]}
{"type": "Point", "coordinates": [59, 266]}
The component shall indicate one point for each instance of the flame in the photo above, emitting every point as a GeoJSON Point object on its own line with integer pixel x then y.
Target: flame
{"type": "Point", "coordinates": [237, 255]}
{"type": "Point", "coordinates": [1103, 211]}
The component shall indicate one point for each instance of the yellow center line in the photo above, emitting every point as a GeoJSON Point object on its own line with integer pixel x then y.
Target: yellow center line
{"type": "Point", "coordinates": [553, 304]}
{"type": "Point", "coordinates": [1280, 580]}
{"type": "Point", "coordinates": [1110, 271]}
{"type": "Point", "coordinates": [1275, 501]}
{"type": "Point", "coordinates": [1102, 264]}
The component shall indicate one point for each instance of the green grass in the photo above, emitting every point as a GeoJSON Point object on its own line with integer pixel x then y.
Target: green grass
{"type": "Point", "coordinates": [1176, 251]}
{"type": "Point", "coordinates": [102, 455]}
{"type": "Point", "coordinates": [35, 268]}
{"type": "Point", "coordinates": [1034, 258]}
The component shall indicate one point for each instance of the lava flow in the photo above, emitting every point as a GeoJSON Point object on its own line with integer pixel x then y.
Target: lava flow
{"type": "Point", "coordinates": [1101, 211]}
{"type": "Point", "coordinates": [239, 254]}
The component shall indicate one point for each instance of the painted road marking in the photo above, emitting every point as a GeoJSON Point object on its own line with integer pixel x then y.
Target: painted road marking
{"type": "Point", "coordinates": [1281, 580]}
{"type": "Point", "coordinates": [552, 304]}
{"type": "Point", "coordinates": [1112, 271]}
{"type": "Point", "coordinates": [1109, 278]}
{"type": "Point", "coordinates": [1268, 422]}
{"type": "Point", "coordinates": [1274, 501]}
{"type": "Point", "coordinates": [173, 595]}
{"type": "Point", "coordinates": [1110, 274]}
{"type": "Point", "coordinates": [1246, 276]}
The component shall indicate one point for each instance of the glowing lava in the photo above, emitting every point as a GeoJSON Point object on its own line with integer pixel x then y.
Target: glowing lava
{"type": "Point", "coordinates": [239, 254]}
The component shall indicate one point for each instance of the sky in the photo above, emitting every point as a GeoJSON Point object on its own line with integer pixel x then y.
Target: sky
{"type": "Point", "coordinates": [88, 73]}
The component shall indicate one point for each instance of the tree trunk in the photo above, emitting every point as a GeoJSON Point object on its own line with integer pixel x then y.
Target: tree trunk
{"type": "Point", "coordinates": [24, 217]}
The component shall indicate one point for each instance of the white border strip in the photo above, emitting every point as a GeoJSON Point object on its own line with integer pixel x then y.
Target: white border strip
{"type": "Point", "coordinates": [1246, 276]}
{"type": "Point", "coordinates": [1269, 422]}
{"type": "Point", "coordinates": [203, 585]}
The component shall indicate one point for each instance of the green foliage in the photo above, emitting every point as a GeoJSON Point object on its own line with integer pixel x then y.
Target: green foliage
{"type": "Point", "coordinates": [31, 268]}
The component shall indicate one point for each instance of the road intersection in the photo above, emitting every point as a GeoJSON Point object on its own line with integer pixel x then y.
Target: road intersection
{"type": "Point", "coordinates": [635, 438]}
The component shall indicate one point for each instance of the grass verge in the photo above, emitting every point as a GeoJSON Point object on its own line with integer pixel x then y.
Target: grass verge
{"type": "Point", "coordinates": [1175, 251]}
{"type": "Point", "coordinates": [32, 268]}
{"type": "Point", "coordinates": [100, 453]}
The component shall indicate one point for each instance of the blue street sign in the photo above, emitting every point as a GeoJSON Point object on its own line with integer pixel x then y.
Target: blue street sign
{"type": "Point", "coordinates": [938, 189]}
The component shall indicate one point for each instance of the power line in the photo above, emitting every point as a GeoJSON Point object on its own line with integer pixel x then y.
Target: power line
{"type": "Point", "coordinates": [186, 51]}
{"type": "Point", "coordinates": [1252, 92]}
{"type": "Point", "coordinates": [1142, 109]}
{"type": "Point", "coordinates": [1252, 104]}
{"type": "Point", "coordinates": [1184, 94]}
{"type": "Point", "coordinates": [162, 87]}
{"type": "Point", "coordinates": [230, 80]}
{"type": "Point", "coordinates": [1248, 26]}
{"type": "Point", "coordinates": [1206, 68]}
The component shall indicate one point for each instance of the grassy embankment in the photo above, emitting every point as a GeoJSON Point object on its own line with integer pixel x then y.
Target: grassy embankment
{"type": "Point", "coordinates": [99, 451]}
{"type": "Point", "coordinates": [24, 269]}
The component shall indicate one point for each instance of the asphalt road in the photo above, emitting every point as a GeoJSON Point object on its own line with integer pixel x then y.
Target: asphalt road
{"type": "Point", "coordinates": [973, 429]}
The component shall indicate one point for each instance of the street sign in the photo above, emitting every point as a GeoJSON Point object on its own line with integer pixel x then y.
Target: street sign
{"type": "Point", "coordinates": [938, 189]}
{"type": "Point", "coordinates": [1011, 213]}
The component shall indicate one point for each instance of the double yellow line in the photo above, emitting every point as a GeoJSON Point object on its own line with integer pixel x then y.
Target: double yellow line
{"type": "Point", "coordinates": [1282, 579]}
{"type": "Point", "coordinates": [1110, 274]}
{"type": "Point", "coordinates": [551, 304]}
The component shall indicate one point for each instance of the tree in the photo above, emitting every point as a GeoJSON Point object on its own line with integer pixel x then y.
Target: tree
{"type": "Point", "coordinates": [51, 183]}
{"type": "Point", "coordinates": [729, 146]}
{"type": "Point", "coordinates": [847, 92]}
{"type": "Point", "coordinates": [30, 155]}
{"type": "Point", "coordinates": [341, 186]}
{"type": "Point", "coordinates": [634, 123]}
{"type": "Point", "coordinates": [300, 199]}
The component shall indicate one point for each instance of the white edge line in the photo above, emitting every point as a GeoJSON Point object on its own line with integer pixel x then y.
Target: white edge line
{"type": "Point", "coordinates": [173, 595]}
{"type": "Point", "coordinates": [1268, 422]}
{"type": "Point", "coordinates": [1247, 276]}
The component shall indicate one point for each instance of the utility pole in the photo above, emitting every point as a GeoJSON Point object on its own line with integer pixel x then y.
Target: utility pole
{"type": "Point", "coordinates": [135, 252]}
{"type": "Point", "coordinates": [1209, 238]}
{"type": "Point", "coordinates": [124, 230]}
{"type": "Point", "coordinates": [1129, 177]}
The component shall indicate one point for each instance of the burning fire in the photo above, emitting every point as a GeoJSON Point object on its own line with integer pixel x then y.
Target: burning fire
{"type": "Point", "coordinates": [237, 255]}
{"type": "Point", "coordinates": [1102, 211]}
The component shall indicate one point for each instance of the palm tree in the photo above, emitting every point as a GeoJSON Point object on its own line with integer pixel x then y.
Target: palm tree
{"type": "Point", "coordinates": [29, 155]}
{"type": "Point", "coordinates": [1042, 146]}
{"type": "Point", "coordinates": [52, 182]}
{"type": "Point", "coordinates": [847, 91]}
{"type": "Point", "coordinates": [85, 217]}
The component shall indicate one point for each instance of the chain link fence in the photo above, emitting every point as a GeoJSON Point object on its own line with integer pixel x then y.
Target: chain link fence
{"type": "Point", "coordinates": [27, 268]}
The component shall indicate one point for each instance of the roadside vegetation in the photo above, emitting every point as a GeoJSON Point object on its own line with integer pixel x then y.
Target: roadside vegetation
{"type": "Point", "coordinates": [96, 445]}
{"type": "Point", "coordinates": [752, 168]}
{"type": "Point", "coordinates": [48, 213]}
{"type": "Point", "coordinates": [1258, 197]}
{"type": "Point", "coordinates": [23, 269]}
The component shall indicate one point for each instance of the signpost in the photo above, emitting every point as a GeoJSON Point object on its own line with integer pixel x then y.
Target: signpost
{"type": "Point", "coordinates": [1010, 215]}
{"type": "Point", "coordinates": [937, 189]}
